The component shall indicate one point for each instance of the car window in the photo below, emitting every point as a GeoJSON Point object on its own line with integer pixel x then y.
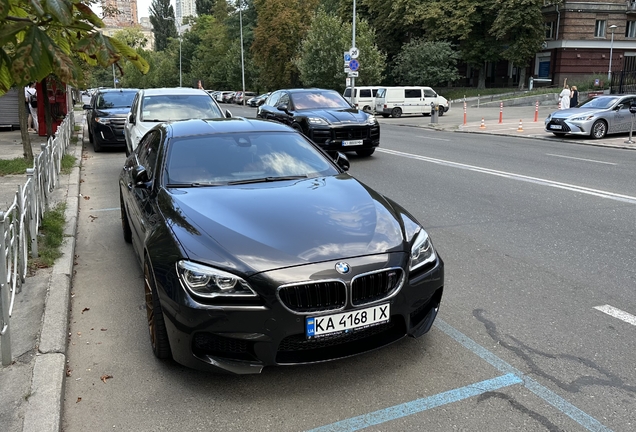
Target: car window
{"type": "Point", "coordinates": [626, 103]}
{"type": "Point", "coordinates": [284, 99]}
{"type": "Point", "coordinates": [163, 108]}
{"type": "Point", "coordinates": [365, 93]}
{"type": "Point", "coordinates": [318, 99]}
{"type": "Point", "coordinates": [381, 93]}
{"type": "Point", "coordinates": [243, 156]}
{"type": "Point", "coordinates": [135, 104]}
{"type": "Point", "coordinates": [115, 100]}
{"type": "Point", "coordinates": [429, 93]}
{"type": "Point", "coordinates": [375, 92]}
{"type": "Point", "coordinates": [148, 150]}
{"type": "Point", "coordinates": [273, 99]}
{"type": "Point", "coordinates": [602, 102]}
{"type": "Point", "coordinates": [412, 93]}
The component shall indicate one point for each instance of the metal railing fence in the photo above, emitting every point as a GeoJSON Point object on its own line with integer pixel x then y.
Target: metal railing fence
{"type": "Point", "coordinates": [20, 224]}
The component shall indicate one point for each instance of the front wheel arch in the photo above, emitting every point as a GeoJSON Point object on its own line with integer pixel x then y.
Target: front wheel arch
{"type": "Point", "coordinates": [599, 129]}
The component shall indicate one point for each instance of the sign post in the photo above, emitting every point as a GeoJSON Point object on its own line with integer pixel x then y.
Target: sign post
{"type": "Point", "coordinates": [632, 109]}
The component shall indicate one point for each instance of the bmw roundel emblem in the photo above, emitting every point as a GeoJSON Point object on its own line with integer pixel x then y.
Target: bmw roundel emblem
{"type": "Point", "coordinates": [342, 267]}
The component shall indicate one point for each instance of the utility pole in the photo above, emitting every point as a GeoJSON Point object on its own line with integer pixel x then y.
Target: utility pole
{"type": "Point", "coordinates": [353, 44]}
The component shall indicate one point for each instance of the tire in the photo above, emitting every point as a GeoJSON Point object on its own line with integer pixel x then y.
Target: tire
{"type": "Point", "coordinates": [97, 145]}
{"type": "Point", "coordinates": [599, 129]}
{"type": "Point", "coordinates": [396, 113]}
{"type": "Point", "coordinates": [365, 152]}
{"type": "Point", "coordinates": [366, 108]}
{"type": "Point", "coordinates": [125, 224]}
{"type": "Point", "coordinates": [441, 111]}
{"type": "Point", "coordinates": [154, 315]}
{"type": "Point", "coordinates": [559, 134]}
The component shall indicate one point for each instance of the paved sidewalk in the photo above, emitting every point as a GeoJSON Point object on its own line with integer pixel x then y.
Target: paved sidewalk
{"type": "Point", "coordinates": [31, 388]}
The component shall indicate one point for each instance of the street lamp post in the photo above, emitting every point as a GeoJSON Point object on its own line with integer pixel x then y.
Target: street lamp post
{"type": "Point", "coordinates": [242, 60]}
{"type": "Point", "coordinates": [178, 33]}
{"type": "Point", "coordinates": [609, 72]}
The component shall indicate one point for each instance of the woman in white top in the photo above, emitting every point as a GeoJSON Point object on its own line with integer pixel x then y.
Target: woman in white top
{"type": "Point", "coordinates": [564, 97]}
{"type": "Point", "coordinates": [30, 94]}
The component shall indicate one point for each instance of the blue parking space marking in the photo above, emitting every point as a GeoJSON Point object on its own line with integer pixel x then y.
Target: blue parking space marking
{"type": "Point", "coordinates": [582, 418]}
{"type": "Point", "coordinates": [419, 405]}
{"type": "Point", "coordinates": [512, 376]}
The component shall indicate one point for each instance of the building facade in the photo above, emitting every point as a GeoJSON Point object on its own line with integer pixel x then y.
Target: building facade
{"type": "Point", "coordinates": [185, 8]}
{"type": "Point", "coordinates": [124, 13]}
{"type": "Point", "coordinates": [586, 41]}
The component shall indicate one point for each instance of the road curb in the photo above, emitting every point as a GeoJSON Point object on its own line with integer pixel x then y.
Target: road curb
{"type": "Point", "coordinates": [44, 409]}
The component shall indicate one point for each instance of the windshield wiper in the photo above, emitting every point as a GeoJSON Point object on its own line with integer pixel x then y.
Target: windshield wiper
{"type": "Point", "coordinates": [188, 185]}
{"type": "Point", "coordinates": [267, 179]}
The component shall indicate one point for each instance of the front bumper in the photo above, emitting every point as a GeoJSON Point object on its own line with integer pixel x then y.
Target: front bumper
{"type": "Point", "coordinates": [245, 339]}
{"type": "Point", "coordinates": [341, 138]}
{"type": "Point", "coordinates": [565, 126]}
{"type": "Point", "coordinates": [110, 134]}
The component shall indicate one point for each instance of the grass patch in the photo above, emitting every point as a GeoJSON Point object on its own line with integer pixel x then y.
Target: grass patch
{"type": "Point", "coordinates": [68, 162]}
{"type": "Point", "coordinates": [78, 128]}
{"type": "Point", "coordinates": [50, 238]}
{"type": "Point", "coordinates": [14, 166]}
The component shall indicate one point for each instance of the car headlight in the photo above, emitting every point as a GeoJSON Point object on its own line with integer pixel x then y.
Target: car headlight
{"type": "Point", "coordinates": [583, 118]}
{"type": "Point", "coordinates": [317, 121]}
{"type": "Point", "coordinates": [209, 282]}
{"type": "Point", "coordinates": [422, 251]}
{"type": "Point", "coordinates": [548, 118]}
{"type": "Point", "coordinates": [372, 120]}
{"type": "Point", "coordinates": [102, 120]}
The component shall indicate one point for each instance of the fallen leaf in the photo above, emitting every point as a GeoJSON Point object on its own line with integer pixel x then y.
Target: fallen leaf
{"type": "Point", "coordinates": [104, 329]}
{"type": "Point", "coordinates": [79, 333]}
{"type": "Point", "coordinates": [85, 309]}
{"type": "Point", "coordinates": [105, 377]}
{"type": "Point", "coordinates": [69, 372]}
{"type": "Point", "coordinates": [87, 197]}
{"type": "Point", "coordinates": [79, 399]}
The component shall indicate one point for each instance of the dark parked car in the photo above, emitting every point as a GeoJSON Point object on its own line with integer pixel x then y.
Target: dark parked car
{"type": "Point", "coordinates": [258, 249]}
{"type": "Point", "coordinates": [325, 117]}
{"type": "Point", "coordinates": [106, 115]}
{"type": "Point", "coordinates": [257, 101]}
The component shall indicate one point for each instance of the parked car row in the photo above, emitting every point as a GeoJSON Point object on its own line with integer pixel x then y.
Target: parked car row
{"type": "Point", "coordinates": [231, 96]}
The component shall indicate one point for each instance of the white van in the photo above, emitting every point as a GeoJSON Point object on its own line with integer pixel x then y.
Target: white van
{"type": "Point", "coordinates": [395, 101]}
{"type": "Point", "coordinates": [363, 97]}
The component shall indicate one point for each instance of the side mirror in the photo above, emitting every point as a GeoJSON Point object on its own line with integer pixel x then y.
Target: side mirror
{"type": "Point", "coordinates": [283, 107]}
{"type": "Point", "coordinates": [131, 118]}
{"type": "Point", "coordinates": [86, 107]}
{"type": "Point", "coordinates": [228, 114]}
{"type": "Point", "coordinates": [619, 107]}
{"type": "Point", "coordinates": [342, 161]}
{"type": "Point", "coordinates": [140, 175]}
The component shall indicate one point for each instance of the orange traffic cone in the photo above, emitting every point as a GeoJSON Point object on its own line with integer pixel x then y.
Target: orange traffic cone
{"type": "Point", "coordinates": [559, 107]}
{"type": "Point", "coordinates": [482, 125]}
{"type": "Point", "coordinates": [520, 128]}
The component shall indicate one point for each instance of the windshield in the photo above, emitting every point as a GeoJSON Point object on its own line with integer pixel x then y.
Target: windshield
{"type": "Point", "coordinates": [243, 157]}
{"type": "Point", "coordinates": [163, 108]}
{"type": "Point", "coordinates": [318, 99]}
{"type": "Point", "coordinates": [115, 99]}
{"type": "Point", "coordinates": [601, 102]}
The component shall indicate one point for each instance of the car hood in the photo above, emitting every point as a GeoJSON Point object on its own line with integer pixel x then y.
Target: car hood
{"type": "Point", "coordinates": [575, 112]}
{"type": "Point", "coordinates": [337, 116]}
{"type": "Point", "coordinates": [112, 112]}
{"type": "Point", "coordinates": [266, 226]}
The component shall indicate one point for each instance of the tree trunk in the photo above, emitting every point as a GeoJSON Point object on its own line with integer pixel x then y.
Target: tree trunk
{"type": "Point", "coordinates": [23, 115]}
{"type": "Point", "coordinates": [47, 109]}
{"type": "Point", "coordinates": [481, 83]}
{"type": "Point", "coordinates": [522, 77]}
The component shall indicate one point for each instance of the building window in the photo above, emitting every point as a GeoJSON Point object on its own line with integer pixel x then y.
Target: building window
{"type": "Point", "coordinates": [599, 30]}
{"type": "Point", "coordinates": [549, 30]}
{"type": "Point", "coordinates": [630, 29]}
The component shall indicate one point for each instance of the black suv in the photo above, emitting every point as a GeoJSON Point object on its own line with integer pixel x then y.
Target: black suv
{"type": "Point", "coordinates": [325, 117]}
{"type": "Point", "coordinates": [106, 115]}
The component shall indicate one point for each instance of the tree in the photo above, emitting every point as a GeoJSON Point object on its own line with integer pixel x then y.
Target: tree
{"type": "Point", "coordinates": [163, 23]}
{"type": "Point", "coordinates": [131, 36]}
{"type": "Point", "coordinates": [426, 63]}
{"type": "Point", "coordinates": [281, 25]}
{"type": "Point", "coordinates": [320, 60]}
{"type": "Point", "coordinates": [53, 37]}
{"type": "Point", "coordinates": [519, 26]}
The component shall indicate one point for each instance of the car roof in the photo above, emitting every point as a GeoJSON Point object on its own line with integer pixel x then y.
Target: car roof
{"type": "Point", "coordinates": [173, 91]}
{"type": "Point", "coordinates": [301, 90]}
{"type": "Point", "coordinates": [224, 125]}
{"type": "Point", "coordinates": [113, 90]}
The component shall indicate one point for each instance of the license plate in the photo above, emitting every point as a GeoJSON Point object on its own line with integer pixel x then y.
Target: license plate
{"type": "Point", "coordinates": [556, 126]}
{"type": "Point", "coordinates": [347, 321]}
{"type": "Point", "coordinates": [352, 143]}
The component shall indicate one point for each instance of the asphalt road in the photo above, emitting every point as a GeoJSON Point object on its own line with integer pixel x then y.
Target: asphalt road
{"type": "Point", "coordinates": [535, 235]}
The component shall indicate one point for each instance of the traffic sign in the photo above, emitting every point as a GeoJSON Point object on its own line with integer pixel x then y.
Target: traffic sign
{"type": "Point", "coordinates": [354, 65]}
{"type": "Point", "coordinates": [353, 74]}
{"type": "Point", "coordinates": [354, 52]}
{"type": "Point", "coordinates": [347, 70]}
{"type": "Point", "coordinates": [347, 56]}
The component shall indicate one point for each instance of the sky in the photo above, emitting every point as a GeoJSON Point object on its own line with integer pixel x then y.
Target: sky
{"type": "Point", "coordinates": [143, 6]}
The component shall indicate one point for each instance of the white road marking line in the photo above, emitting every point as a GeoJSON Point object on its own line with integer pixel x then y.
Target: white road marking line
{"type": "Point", "coordinates": [581, 159]}
{"type": "Point", "coordinates": [518, 177]}
{"type": "Point", "coordinates": [436, 139]}
{"type": "Point", "coordinates": [617, 313]}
